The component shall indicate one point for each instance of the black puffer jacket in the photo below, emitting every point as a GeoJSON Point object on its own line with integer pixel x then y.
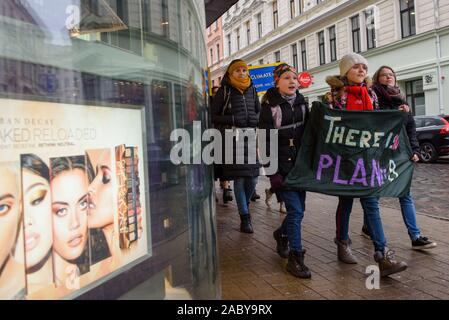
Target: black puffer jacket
{"type": "Point", "coordinates": [241, 112]}
{"type": "Point", "coordinates": [393, 103]}
{"type": "Point", "coordinates": [290, 115]}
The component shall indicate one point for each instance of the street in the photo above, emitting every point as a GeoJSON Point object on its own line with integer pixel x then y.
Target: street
{"type": "Point", "coordinates": [429, 189]}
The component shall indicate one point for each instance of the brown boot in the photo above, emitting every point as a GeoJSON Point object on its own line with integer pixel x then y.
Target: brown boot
{"type": "Point", "coordinates": [344, 251]}
{"type": "Point", "coordinates": [387, 263]}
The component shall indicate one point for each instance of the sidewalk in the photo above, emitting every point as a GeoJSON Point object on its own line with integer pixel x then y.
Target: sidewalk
{"type": "Point", "coordinates": [251, 269]}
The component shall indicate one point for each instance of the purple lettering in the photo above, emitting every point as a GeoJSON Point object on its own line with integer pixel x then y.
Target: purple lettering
{"type": "Point", "coordinates": [360, 167]}
{"type": "Point", "coordinates": [376, 174]}
{"type": "Point", "coordinates": [322, 165]}
{"type": "Point", "coordinates": [337, 171]}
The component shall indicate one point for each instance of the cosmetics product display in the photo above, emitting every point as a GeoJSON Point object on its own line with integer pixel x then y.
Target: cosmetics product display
{"type": "Point", "coordinates": [128, 195]}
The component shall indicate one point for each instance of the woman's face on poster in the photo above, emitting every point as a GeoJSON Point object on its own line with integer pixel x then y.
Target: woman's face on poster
{"type": "Point", "coordinates": [101, 198]}
{"type": "Point", "coordinates": [70, 203]}
{"type": "Point", "coordinates": [37, 217]}
{"type": "Point", "coordinates": [9, 212]}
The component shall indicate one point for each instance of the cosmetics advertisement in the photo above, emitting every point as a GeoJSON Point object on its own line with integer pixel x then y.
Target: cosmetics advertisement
{"type": "Point", "coordinates": [72, 196]}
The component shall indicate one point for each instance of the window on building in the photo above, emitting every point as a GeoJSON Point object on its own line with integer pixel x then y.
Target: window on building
{"type": "Point", "coordinates": [277, 56]}
{"type": "Point", "coordinates": [216, 25]}
{"type": "Point", "coordinates": [333, 43]}
{"type": "Point", "coordinates": [295, 55]}
{"type": "Point", "coordinates": [218, 52]}
{"type": "Point", "coordinates": [259, 25]}
{"type": "Point", "coordinates": [370, 29]}
{"type": "Point", "coordinates": [164, 19]}
{"type": "Point", "coordinates": [303, 55]}
{"type": "Point", "coordinates": [292, 9]}
{"type": "Point", "coordinates": [211, 56]}
{"type": "Point", "coordinates": [275, 15]}
{"type": "Point", "coordinates": [355, 23]}
{"type": "Point", "coordinates": [408, 23]}
{"type": "Point", "coordinates": [261, 61]}
{"type": "Point", "coordinates": [415, 97]}
{"type": "Point", "coordinates": [228, 40]}
{"type": "Point", "coordinates": [248, 32]}
{"type": "Point", "coordinates": [322, 48]}
{"type": "Point", "coordinates": [238, 38]}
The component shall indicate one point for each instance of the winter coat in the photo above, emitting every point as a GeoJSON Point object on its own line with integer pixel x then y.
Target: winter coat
{"type": "Point", "coordinates": [339, 95]}
{"type": "Point", "coordinates": [242, 111]}
{"type": "Point", "coordinates": [393, 103]}
{"type": "Point", "coordinates": [289, 139]}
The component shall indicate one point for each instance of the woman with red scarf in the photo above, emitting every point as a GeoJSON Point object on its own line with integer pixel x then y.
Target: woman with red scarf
{"type": "Point", "coordinates": [352, 90]}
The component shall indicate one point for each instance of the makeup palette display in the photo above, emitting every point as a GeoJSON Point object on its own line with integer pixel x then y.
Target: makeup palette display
{"type": "Point", "coordinates": [129, 208]}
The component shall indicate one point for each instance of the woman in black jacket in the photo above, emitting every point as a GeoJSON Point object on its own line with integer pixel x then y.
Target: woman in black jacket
{"type": "Point", "coordinates": [391, 98]}
{"type": "Point", "coordinates": [285, 109]}
{"type": "Point", "coordinates": [236, 106]}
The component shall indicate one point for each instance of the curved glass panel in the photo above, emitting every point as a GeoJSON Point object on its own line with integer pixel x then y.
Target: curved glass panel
{"type": "Point", "coordinates": [90, 92]}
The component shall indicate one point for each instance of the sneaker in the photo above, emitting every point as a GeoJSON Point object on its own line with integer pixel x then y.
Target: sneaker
{"type": "Point", "coordinates": [268, 196]}
{"type": "Point", "coordinates": [281, 243]}
{"type": "Point", "coordinates": [423, 243]}
{"type": "Point", "coordinates": [365, 232]}
{"type": "Point", "coordinates": [282, 208]}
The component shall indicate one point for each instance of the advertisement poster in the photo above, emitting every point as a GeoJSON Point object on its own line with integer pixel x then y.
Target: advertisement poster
{"type": "Point", "coordinates": [72, 197]}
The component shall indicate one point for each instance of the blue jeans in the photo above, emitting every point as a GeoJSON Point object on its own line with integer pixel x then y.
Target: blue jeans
{"type": "Point", "coordinates": [243, 190]}
{"type": "Point", "coordinates": [371, 214]}
{"type": "Point", "coordinates": [295, 203]}
{"type": "Point", "coordinates": [408, 215]}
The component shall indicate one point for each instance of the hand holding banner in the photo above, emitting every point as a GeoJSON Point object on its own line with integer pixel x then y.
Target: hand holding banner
{"type": "Point", "coordinates": [354, 154]}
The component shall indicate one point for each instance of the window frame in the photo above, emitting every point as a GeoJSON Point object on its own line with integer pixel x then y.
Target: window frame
{"type": "Point", "coordinates": [355, 33]}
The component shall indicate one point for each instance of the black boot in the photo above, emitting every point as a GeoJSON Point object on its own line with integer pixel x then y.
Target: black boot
{"type": "Point", "coordinates": [255, 197]}
{"type": "Point", "coordinates": [245, 225]}
{"type": "Point", "coordinates": [281, 243]}
{"type": "Point", "coordinates": [296, 266]}
{"type": "Point", "coordinates": [227, 195]}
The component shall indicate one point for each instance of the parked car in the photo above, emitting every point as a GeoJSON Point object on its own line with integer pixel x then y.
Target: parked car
{"type": "Point", "coordinates": [433, 136]}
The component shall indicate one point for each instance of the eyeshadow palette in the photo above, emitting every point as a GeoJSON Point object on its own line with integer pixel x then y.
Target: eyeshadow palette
{"type": "Point", "coordinates": [128, 195]}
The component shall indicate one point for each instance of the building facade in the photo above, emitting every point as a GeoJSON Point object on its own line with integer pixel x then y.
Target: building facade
{"type": "Point", "coordinates": [412, 36]}
{"type": "Point", "coordinates": [215, 51]}
{"type": "Point", "coordinates": [91, 206]}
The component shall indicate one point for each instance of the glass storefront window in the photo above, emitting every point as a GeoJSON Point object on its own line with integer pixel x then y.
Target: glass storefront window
{"type": "Point", "coordinates": [90, 92]}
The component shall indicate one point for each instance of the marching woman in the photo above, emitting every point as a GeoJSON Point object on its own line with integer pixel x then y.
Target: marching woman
{"type": "Point", "coordinates": [391, 98]}
{"type": "Point", "coordinates": [352, 90]}
{"type": "Point", "coordinates": [236, 106]}
{"type": "Point", "coordinates": [285, 109]}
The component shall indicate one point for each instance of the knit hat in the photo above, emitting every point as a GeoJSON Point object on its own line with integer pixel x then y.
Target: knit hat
{"type": "Point", "coordinates": [234, 65]}
{"type": "Point", "coordinates": [281, 69]}
{"type": "Point", "coordinates": [350, 60]}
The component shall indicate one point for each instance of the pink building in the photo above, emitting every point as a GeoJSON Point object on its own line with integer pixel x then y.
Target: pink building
{"type": "Point", "coordinates": [214, 36]}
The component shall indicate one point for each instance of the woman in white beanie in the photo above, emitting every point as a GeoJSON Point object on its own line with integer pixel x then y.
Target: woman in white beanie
{"type": "Point", "coordinates": [351, 90]}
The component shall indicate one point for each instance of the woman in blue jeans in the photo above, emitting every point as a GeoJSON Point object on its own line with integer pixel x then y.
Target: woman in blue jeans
{"type": "Point", "coordinates": [236, 106]}
{"type": "Point", "coordinates": [347, 92]}
{"type": "Point", "coordinates": [391, 98]}
{"type": "Point", "coordinates": [285, 110]}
